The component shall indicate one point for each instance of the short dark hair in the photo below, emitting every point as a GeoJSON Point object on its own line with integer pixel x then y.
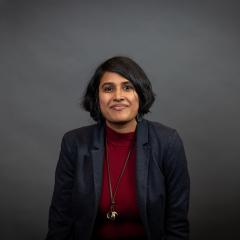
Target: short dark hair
{"type": "Point", "coordinates": [128, 69]}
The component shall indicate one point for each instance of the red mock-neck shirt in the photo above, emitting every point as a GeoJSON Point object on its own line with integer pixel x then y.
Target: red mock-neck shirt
{"type": "Point", "coordinates": [127, 224]}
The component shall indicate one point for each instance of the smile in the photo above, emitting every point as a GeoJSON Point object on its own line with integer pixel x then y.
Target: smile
{"type": "Point", "coordinates": [119, 107]}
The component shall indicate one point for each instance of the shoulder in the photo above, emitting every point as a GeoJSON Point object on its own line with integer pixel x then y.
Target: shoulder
{"type": "Point", "coordinates": [167, 142]}
{"type": "Point", "coordinates": [81, 130]}
{"type": "Point", "coordinates": [162, 134]}
{"type": "Point", "coordinates": [82, 134]}
{"type": "Point", "coordinates": [159, 129]}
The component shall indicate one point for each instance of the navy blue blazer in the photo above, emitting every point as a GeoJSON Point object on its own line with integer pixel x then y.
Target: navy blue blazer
{"type": "Point", "coordinates": [161, 176]}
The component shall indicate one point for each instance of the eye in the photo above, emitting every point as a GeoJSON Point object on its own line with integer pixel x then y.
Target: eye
{"type": "Point", "coordinates": [107, 88]}
{"type": "Point", "coordinates": [128, 87]}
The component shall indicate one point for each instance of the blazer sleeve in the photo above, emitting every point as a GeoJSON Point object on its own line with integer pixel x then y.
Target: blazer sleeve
{"type": "Point", "coordinates": [60, 212]}
{"type": "Point", "coordinates": [177, 189]}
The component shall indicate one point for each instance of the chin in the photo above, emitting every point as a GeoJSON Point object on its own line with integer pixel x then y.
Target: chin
{"type": "Point", "coordinates": [121, 120]}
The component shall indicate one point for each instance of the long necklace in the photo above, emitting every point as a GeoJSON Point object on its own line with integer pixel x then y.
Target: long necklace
{"type": "Point", "coordinates": [112, 214]}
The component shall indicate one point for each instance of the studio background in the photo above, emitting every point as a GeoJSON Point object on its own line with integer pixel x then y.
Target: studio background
{"type": "Point", "coordinates": [50, 49]}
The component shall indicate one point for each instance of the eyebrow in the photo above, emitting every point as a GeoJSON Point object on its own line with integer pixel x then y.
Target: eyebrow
{"type": "Point", "coordinates": [109, 83]}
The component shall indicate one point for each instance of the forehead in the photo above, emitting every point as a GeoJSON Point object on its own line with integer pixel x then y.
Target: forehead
{"type": "Point", "coordinates": [112, 77]}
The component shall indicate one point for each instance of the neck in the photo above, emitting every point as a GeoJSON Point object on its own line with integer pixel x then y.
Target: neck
{"type": "Point", "coordinates": [122, 127]}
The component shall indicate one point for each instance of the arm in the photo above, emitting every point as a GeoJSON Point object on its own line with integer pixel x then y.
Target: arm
{"type": "Point", "coordinates": [177, 189]}
{"type": "Point", "coordinates": [60, 213]}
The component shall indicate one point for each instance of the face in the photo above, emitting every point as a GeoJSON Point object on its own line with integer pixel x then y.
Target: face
{"type": "Point", "coordinates": [118, 100]}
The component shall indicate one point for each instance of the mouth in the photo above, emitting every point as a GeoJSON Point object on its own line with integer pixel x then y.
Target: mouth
{"type": "Point", "coordinates": [118, 107]}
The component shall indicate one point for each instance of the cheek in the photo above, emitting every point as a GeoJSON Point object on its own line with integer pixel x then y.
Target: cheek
{"type": "Point", "coordinates": [100, 102]}
{"type": "Point", "coordinates": [137, 106]}
{"type": "Point", "coordinates": [103, 101]}
{"type": "Point", "coordinates": [101, 105]}
{"type": "Point", "coordinates": [136, 102]}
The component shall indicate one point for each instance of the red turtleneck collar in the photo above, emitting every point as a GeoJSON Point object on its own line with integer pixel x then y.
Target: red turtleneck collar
{"type": "Point", "coordinates": [119, 139]}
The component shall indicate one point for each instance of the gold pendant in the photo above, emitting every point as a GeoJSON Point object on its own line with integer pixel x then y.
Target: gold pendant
{"type": "Point", "coordinates": [111, 215]}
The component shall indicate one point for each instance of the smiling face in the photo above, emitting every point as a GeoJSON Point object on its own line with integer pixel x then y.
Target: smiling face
{"type": "Point", "coordinates": [119, 102]}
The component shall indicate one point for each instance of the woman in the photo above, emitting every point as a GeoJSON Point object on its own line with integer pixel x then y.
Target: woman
{"type": "Point", "coordinates": [124, 177]}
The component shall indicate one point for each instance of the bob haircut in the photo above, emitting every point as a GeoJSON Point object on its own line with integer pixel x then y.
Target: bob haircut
{"type": "Point", "coordinates": [128, 69]}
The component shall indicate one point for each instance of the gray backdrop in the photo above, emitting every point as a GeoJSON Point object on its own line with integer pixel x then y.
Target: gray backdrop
{"type": "Point", "coordinates": [48, 52]}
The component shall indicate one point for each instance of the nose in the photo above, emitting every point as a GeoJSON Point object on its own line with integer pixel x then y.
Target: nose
{"type": "Point", "coordinates": [118, 96]}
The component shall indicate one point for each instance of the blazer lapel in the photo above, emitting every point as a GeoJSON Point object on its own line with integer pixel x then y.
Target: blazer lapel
{"type": "Point", "coordinates": [142, 162]}
{"type": "Point", "coordinates": [97, 156]}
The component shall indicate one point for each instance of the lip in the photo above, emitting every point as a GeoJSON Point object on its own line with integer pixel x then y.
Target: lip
{"type": "Point", "coordinates": [119, 107]}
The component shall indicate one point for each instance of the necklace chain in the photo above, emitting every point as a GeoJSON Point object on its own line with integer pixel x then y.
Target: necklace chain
{"type": "Point", "coordinates": [112, 213]}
